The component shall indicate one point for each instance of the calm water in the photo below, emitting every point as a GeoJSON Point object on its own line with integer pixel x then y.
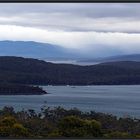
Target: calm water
{"type": "Point", "coordinates": [117, 100]}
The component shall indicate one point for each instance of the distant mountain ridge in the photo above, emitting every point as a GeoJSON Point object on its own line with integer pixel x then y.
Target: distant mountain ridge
{"type": "Point", "coordinates": [53, 53]}
{"type": "Point", "coordinates": [31, 49]}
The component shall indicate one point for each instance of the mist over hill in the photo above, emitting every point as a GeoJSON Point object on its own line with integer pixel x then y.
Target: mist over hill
{"type": "Point", "coordinates": [125, 57]}
{"type": "Point", "coordinates": [56, 53]}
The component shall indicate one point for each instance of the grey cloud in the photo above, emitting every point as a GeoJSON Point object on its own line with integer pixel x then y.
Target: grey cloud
{"type": "Point", "coordinates": [72, 16]}
{"type": "Point", "coordinates": [102, 28]}
{"type": "Point", "coordinates": [82, 9]}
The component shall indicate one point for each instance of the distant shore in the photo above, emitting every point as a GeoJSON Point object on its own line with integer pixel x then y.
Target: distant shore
{"type": "Point", "coordinates": [20, 89]}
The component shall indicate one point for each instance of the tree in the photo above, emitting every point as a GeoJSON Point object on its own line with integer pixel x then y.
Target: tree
{"type": "Point", "coordinates": [9, 127]}
{"type": "Point", "coordinates": [19, 131]}
{"type": "Point", "coordinates": [8, 121]}
{"type": "Point", "coordinates": [73, 126]}
{"type": "Point", "coordinates": [93, 128]}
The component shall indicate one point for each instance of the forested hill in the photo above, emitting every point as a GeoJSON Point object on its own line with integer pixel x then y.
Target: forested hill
{"type": "Point", "coordinates": [33, 71]}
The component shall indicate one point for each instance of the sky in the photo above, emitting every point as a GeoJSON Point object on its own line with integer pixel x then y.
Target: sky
{"type": "Point", "coordinates": [101, 29]}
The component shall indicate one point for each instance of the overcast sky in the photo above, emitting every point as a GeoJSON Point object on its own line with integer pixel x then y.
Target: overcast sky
{"type": "Point", "coordinates": [91, 27]}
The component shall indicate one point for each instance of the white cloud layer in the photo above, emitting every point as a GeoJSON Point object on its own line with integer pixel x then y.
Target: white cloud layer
{"type": "Point", "coordinates": [126, 42]}
{"type": "Point", "coordinates": [87, 27]}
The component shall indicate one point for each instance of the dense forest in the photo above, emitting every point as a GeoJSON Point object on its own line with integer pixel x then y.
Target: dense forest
{"type": "Point", "coordinates": [20, 89]}
{"type": "Point", "coordinates": [32, 71]}
{"type": "Point", "coordinates": [58, 122]}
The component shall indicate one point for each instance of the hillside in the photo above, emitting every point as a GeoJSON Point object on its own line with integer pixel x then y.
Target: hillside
{"type": "Point", "coordinates": [33, 71]}
{"type": "Point", "coordinates": [19, 89]}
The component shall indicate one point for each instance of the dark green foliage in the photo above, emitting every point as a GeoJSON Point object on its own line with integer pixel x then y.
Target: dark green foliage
{"type": "Point", "coordinates": [9, 127]}
{"type": "Point", "coordinates": [60, 123]}
{"type": "Point", "coordinates": [73, 126]}
{"type": "Point", "coordinates": [117, 134]}
{"type": "Point", "coordinates": [19, 131]}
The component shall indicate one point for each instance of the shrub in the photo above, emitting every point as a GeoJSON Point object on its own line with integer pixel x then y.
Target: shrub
{"type": "Point", "coordinates": [73, 126]}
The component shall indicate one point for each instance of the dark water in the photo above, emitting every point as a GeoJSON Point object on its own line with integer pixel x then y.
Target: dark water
{"type": "Point", "coordinates": [117, 100]}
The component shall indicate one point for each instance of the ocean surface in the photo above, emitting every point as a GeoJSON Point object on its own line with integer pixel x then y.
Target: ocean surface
{"type": "Point", "coordinates": [118, 100]}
